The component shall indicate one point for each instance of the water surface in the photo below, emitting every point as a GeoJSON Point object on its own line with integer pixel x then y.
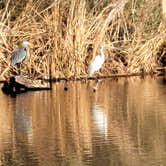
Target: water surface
{"type": "Point", "coordinates": [122, 124]}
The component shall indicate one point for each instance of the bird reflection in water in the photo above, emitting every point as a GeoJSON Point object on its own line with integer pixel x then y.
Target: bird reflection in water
{"type": "Point", "coordinates": [99, 116]}
{"type": "Point", "coordinates": [23, 124]}
{"type": "Point", "coordinates": [100, 119]}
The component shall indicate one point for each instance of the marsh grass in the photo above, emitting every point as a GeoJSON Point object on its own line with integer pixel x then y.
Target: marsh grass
{"type": "Point", "coordinates": [66, 35]}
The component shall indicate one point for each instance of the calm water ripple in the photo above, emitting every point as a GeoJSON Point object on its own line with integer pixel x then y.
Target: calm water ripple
{"type": "Point", "coordinates": [122, 124]}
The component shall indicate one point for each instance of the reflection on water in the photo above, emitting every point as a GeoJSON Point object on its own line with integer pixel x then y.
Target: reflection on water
{"type": "Point", "coordinates": [123, 123]}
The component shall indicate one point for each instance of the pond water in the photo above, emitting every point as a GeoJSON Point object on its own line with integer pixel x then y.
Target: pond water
{"type": "Point", "coordinates": [122, 124]}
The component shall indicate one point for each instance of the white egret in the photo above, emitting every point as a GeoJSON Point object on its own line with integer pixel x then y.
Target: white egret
{"type": "Point", "coordinates": [97, 63]}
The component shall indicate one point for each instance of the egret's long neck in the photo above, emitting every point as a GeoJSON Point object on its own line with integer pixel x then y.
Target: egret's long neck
{"type": "Point", "coordinates": [102, 53]}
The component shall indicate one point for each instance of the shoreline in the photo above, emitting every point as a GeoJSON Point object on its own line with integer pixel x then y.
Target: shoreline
{"type": "Point", "coordinates": [85, 78]}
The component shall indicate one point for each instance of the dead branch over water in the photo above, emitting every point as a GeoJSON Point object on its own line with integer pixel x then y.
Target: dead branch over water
{"type": "Point", "coordinates": [68, 34]}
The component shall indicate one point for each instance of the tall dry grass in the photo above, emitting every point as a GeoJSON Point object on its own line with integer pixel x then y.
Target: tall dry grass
{"type": "Point", "coordinates": [66, 35]}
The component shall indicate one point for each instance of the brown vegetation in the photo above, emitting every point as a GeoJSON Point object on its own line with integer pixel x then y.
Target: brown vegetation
{"type": "Point", "coordinates": [68, 34]}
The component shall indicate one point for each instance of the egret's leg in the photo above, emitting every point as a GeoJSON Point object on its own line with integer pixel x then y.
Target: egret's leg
{"type": "Point", "coordinates": [96, 85]}
{"type": "Point", "coordinates": [14, 70]}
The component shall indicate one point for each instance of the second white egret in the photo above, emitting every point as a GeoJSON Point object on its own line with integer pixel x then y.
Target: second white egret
{"type": "Point", "coordinates": [97, 63]}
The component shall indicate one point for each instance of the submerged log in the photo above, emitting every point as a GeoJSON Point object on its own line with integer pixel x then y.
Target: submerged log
{"type": "Point", "coordinates": [98, 77]}
{"type": "Point", "coordinates": [20, 84]}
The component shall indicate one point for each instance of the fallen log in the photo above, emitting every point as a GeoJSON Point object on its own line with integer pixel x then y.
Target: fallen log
{"type": "Point", "coordinates": [20, 84]}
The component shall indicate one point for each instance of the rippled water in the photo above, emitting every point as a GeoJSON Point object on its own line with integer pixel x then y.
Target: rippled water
{"type": "Point", "coordinates": [122, 124]}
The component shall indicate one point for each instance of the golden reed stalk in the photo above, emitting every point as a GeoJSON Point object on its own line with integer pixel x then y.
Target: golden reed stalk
{"type": "Point", "coordinates": [69, 33]}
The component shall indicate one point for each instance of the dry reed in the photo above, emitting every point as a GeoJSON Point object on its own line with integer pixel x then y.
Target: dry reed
{"type": "Point", "coordinates": [66, 35]}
